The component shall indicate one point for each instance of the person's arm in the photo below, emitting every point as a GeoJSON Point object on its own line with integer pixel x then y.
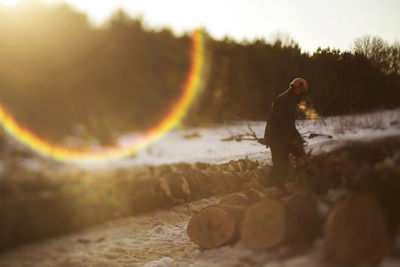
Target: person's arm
{"type": "Point", "coordinates": [296, 140]}
{"type": "Point", "coordinates": [267, 131]}
{"type": "Point", "coordinates": [297, 136]}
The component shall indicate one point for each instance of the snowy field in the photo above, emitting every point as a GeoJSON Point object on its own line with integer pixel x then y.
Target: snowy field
{"type": "Point", "coordinates": [204, 144]}
{"type": "Point", "coordinates": [159, 238]}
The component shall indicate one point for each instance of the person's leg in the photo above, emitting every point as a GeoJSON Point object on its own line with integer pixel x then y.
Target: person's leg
{"type": "Point", "coordinates": [280, 164]}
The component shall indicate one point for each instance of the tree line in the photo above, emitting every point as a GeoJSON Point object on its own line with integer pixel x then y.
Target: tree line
{"type": "Point", "coordinates": [245, 77]}
{"type": "Point", "coordinates": [57, 71]}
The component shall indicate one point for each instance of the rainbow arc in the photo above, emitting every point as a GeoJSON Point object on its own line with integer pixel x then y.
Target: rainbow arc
{"type": "Point", "coordinates": [173, 117]}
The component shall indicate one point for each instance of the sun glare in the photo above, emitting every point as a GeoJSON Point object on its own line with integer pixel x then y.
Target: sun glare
{"type": "Point", "coordinates": [10, 2]}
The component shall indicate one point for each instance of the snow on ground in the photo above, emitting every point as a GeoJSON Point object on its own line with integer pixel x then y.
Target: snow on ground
{"type": "Point", "coordinates": [156, 239]}
{"type": "Point", "coordinates": [159, 238]}
{"type": "Point", "coordinates": [203, 144]}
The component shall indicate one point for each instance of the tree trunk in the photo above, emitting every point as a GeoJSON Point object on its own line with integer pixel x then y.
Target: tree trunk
{"type": "Point", "coordinates": [356, 231]}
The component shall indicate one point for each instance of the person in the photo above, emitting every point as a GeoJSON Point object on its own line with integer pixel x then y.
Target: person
{"type": "Point", "coordinates": [281, 135]}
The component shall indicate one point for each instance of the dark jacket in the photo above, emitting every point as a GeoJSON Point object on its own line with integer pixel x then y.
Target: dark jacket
{"type": "Point", "coordinates": [281, 122]}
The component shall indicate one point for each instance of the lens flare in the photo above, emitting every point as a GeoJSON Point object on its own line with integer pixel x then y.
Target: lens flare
{"type": "Point", "coordinates": [173, 117]}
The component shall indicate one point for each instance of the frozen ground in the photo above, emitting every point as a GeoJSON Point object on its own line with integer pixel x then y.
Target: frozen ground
{"type": "Point", "coordinates": [159, 238]}
{"type": "Point", "coordinates": [156, 239]}
{"type": "Point", "coordinates": [203, 144]}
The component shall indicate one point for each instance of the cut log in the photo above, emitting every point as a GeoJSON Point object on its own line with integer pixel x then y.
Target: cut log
{"type": "Point", "coordinates": [293, 221]}
{"type": "Point", "coordinates": [356, 231]}
{"type": "Point", "coordinates": [304, 220]}
{"type": "Point", "coordinates": [264, 225]}
{"type": "Point", "coordinates": [215, 226]}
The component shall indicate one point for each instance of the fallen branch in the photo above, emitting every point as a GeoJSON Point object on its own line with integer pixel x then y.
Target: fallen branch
{"type": "Point", "coordinates": [249, 136]}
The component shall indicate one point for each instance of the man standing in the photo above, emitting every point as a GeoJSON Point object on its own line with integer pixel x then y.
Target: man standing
{"type": "Point", "coordinates": [281, 134]}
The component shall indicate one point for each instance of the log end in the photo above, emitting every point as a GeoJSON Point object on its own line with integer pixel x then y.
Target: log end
{"type": "Point", "coordinates": [264, 225]}
{"type": "Point", "coordinates": [212, 227]}
{"type": "Point", "coordinates": [356, 231]}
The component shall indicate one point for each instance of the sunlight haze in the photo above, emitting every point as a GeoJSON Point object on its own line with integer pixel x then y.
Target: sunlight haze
{"type": "Point", "coordinates": [311, 23]}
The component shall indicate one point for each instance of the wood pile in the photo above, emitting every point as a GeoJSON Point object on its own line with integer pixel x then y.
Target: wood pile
{"type": "Point", "coordinates": [355, 231]}
{"type": "Point", "coordinates": [260, 220]}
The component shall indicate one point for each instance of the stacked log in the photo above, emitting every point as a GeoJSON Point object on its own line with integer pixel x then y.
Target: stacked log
{"type": "Point", "coordinates": [259, 222]}
{"type": "Point", "coordinates": [218, 225]}
{"type": "Point", "coordinates": [293, 221]}
{"type": "Point", "coordinates": [362, 228]}
{"type": "Point", "coordinates": [264, 225]}
{"type": "Point", "coordinates": [356, 231]}
{"type": "Point", "coordinates": [215, 226]}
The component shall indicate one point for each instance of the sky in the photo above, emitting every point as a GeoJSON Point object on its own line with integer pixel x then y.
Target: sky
{"type": "Point", "coordinates": [311, 23]}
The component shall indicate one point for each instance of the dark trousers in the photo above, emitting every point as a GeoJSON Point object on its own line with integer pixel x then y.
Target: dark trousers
{"type": "Point", "coordinates": [280, 164]}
